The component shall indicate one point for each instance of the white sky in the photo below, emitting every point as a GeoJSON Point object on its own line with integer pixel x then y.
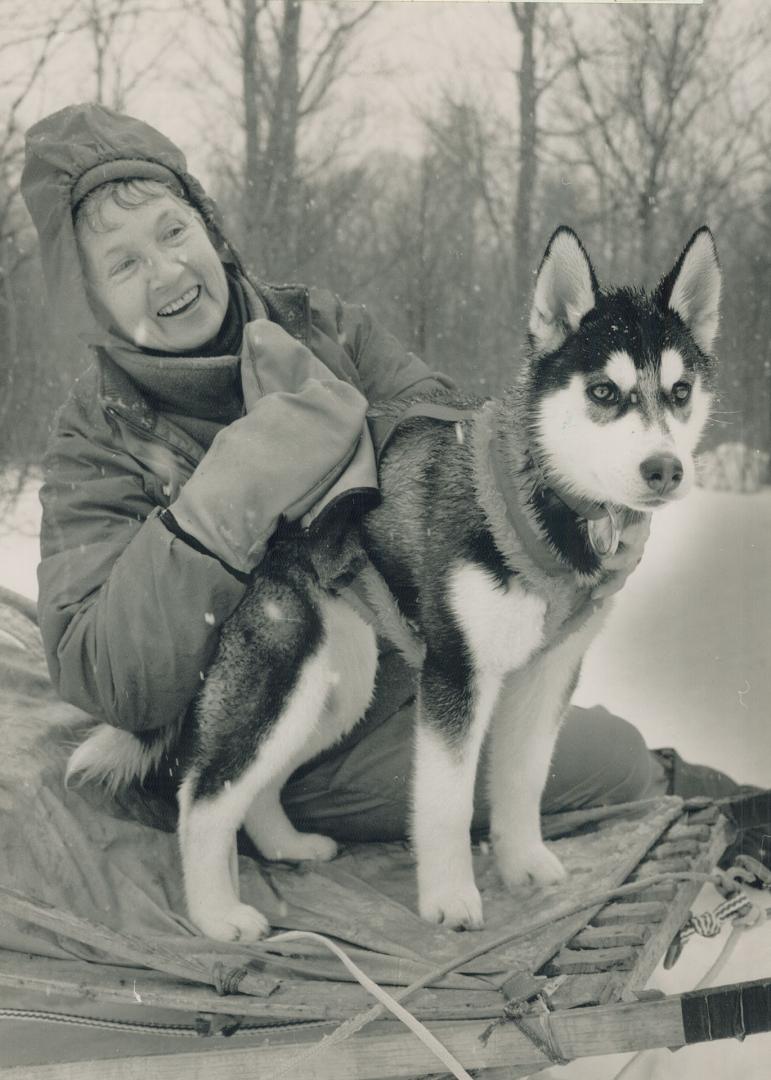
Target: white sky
{"type": "Point", "coordinates": [407, 53]}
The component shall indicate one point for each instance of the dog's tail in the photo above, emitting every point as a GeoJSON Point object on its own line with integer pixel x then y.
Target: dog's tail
{"type": "Point", "coordinates": [114, 758]}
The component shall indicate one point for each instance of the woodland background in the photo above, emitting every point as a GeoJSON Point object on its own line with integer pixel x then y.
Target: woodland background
{"type": "Point", "coordinates": [360, 147]}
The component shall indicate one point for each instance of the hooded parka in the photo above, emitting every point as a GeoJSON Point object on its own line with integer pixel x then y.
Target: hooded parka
{"type": "Point", "coordinates": [130, 611]}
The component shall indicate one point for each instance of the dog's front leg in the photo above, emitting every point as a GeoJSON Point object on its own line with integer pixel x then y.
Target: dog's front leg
{"type": "Point", "coordinates": [453, 716]}
{"type": "Point", "coordinates": [524, 730]}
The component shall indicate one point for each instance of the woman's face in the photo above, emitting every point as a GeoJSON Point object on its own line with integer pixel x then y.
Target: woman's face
{"type": "Point", "coordinates": [153, 274]}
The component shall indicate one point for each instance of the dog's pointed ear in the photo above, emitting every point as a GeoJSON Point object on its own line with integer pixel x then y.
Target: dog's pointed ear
{"type": "Point", "coordinates": [692, 288]}
{"type": "Point", "coordinates": [565, 290]}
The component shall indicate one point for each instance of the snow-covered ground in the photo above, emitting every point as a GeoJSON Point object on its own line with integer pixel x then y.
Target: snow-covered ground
{"type": "Point", "coordinates": [19, 531]}
{"type": "Point", "coordinates": [684, 656]}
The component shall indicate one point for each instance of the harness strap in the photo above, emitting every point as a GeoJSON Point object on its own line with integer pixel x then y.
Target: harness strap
{"type": "Point", "coordinates": [432, 410]}
{"type": "Point", "coordinates": [534, 546]}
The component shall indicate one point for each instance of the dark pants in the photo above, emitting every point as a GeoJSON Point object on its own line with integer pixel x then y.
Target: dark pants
{"type": "Point", "coordinates": [361, 790]}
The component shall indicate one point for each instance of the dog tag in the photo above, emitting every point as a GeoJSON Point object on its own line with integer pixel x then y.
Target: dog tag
{"type": "Point", "coordinates": [604, 534]}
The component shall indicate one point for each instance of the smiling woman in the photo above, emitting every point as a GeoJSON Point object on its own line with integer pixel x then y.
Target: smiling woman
{"type": "Point", "coordinates": [152, 272]}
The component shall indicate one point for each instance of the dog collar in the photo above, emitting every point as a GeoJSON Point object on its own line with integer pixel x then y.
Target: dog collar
{"type": "Point", "coordinates": [602, 524]}
{"type": "Point", "coordinates": [534, 545]}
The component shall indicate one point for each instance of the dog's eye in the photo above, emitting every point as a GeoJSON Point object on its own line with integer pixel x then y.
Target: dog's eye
{"type": "Point", "coordinates": [604, 393]}
{"type": "Point", "coordinates": [681, 393]}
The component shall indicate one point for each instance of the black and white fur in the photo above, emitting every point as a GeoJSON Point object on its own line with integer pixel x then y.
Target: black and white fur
{"type": "Point", "coordinates": [603, 419]}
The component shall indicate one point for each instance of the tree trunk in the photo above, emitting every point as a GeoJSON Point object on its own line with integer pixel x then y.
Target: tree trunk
{"type": "Point", "coordinates": [525, 16]}
{"type": "Point", "coordinates": [252, 164]}
{"type": "Point", "coordinates": [281, 149]}
{"type": "Point", "coordinates": [423, 277]}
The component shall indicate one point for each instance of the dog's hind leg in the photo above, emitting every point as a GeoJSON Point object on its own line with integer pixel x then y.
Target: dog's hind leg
{"type": "Point", "coordinates": [213, 806]}
{"type": "Point", "coordinates": [453, 716]}
{"type": "Point", "coordinates": [280, 692]}
{"type": "Point", "coordinates": [524, 730]}
{"type": "Point", "coordinates": [350, 652]}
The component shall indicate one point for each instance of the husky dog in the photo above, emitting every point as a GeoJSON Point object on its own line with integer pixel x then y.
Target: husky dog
{"type": "Point", "coordinates": [493, 523]}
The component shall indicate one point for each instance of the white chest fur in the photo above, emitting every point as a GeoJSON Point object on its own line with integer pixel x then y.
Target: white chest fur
{"type": "Point", "coordinates": [502, 627]}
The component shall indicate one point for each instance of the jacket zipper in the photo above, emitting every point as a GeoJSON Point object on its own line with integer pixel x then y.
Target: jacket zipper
{"type": "Point", "coordinates": [139, 430]}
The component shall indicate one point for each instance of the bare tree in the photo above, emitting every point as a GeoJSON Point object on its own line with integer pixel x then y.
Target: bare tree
{"type": "Point", "coordinates": [543, 62]}
{"type": "Point", "coordinates": [525, 16]}
{"type": "Point", "coordinates": [643, 114]}
{"type": "Point", "coordinates": [28, 49]}
{"type": "Point", "coordinates": [287, 72]}
{"type": "Point", "coordinates": [110, 26]}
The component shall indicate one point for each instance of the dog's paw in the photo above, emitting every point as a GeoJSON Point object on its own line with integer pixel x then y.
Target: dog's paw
{"type": "Point", "coordinates": [533, 865]}
{"type": "Point", "coordinates": [303, 847]}
{"type": "Point", "coordinates": [237, 923]}
{"type": "Point", "coordinates": [455, 908]}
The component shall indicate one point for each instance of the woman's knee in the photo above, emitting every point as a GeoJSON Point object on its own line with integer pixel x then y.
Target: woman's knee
{"type": "Point", "coordinates": [599, 759]}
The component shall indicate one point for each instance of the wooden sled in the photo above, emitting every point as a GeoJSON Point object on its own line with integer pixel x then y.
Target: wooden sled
{"type": "Point", "coordinates": [574, 989]}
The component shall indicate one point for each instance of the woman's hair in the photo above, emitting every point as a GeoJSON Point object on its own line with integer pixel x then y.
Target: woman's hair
{"type": "Point", "coordinates": [127, 194]}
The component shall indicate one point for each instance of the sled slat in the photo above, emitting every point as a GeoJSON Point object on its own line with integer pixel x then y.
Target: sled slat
{"type": "Point", "coordinates": [57, 982]}
{"type": "Point", "coordinates": [583, 961]}
{"type": "Point", "coordinates": [621, 985]}
{"type": "Point", "coordinates": [641, 912]}
{"type": "Point", "coordinates": [604, 937]}
{"type": "Point", "coordinates": [128, 947]}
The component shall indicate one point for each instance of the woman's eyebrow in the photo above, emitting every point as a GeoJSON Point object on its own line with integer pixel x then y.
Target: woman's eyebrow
{"type": "Point", "coordinates": [174, 212]}
{"type": "Point", "coordinates": [116, 249]}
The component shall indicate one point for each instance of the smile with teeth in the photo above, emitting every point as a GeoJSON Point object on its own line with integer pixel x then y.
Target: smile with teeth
{"type": "Point", "coordinates": [182, 303]}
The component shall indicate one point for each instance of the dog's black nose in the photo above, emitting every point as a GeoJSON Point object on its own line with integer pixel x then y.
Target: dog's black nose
{"type": "Point", "coordinates": [662, 473]}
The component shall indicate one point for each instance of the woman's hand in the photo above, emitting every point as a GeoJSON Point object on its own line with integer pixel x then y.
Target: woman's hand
{"type": "Point", "coordinates": [621, 564]}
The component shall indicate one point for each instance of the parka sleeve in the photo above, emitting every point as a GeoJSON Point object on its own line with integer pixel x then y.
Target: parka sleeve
{"type": "Point", "coordinates": [386, 368]}
{"type": "Point", "coordinates": [129, 614]}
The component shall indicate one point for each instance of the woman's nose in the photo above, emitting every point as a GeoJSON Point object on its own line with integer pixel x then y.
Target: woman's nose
{"type": "Point", "coordinates": [161, 268]}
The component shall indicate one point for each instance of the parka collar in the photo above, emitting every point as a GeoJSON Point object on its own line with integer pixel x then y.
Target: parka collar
{"type": "Point", "coordinates": [287, 305]}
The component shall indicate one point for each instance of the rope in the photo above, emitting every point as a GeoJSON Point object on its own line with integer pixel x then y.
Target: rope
{"type": "Point", "coordinates": [518, 1012]}
{"type": "Point", "coordinates": [746, 915]}
{"type": "Point", "coordinates": [182, 1030]}
{"type": "Point", "coordinates": [202, 1028]}
{"type": "Point", "coordinates": [710, 923]}
{"type": "Point", "coordinates": [227, 980]}
{"type": "Point", "coordinates": [385, 999]}
{"type": "Point", "coordinates": [546, 1043]}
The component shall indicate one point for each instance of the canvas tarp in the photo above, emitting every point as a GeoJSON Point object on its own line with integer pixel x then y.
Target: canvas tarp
{"type": "Point", "coordinates": [115, 862]}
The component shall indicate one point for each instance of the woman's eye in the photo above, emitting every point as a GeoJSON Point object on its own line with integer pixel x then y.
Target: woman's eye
{"type": "Point", "coordinates": [122, 267]}
{"type": "Point", "coordinates": [681, 392]}
{"type": "Point", "coordinates": [174, 231]}
{"type": "Point", "coordinates": [604, 393]}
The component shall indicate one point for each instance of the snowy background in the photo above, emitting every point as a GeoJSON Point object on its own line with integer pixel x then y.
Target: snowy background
{"type": "Point", "coordinates": [684, 656]}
